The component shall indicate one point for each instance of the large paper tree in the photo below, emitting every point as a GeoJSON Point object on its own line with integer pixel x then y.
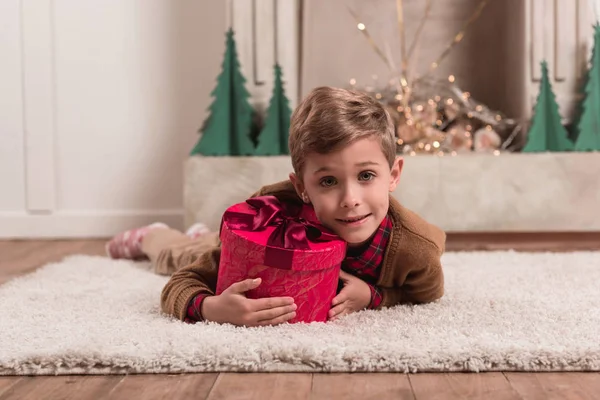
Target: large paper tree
{"type": "Point", "coordinates": [273, 139]}
{"type": "Point", "coordinates": [588, 128]}
{"type": "Point", "coordinates": [547, 132]}
{"type": "Point", "coordinates": [573, 127]}
{"type": "Point", "coordinates": [226, 131]}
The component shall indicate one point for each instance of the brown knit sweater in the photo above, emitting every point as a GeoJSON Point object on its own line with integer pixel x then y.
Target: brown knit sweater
{"type": "Point", "coordinates": [411, 270]}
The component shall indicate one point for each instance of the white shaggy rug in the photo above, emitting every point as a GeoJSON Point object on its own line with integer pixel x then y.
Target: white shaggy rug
{"type": "Point", "coordinates": [503, 311]}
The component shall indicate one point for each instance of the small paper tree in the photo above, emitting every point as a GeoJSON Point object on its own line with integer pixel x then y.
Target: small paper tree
{"type": "Point", "coordinates": [588, 128]}
{"type": "Point", "coordinates": [273, 139]}
{"type": "Point", "coordinates": [547, 132]}
{"type": "Point", "coordinates": [226, 131]}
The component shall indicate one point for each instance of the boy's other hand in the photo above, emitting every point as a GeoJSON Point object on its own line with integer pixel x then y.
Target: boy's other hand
{"type": "Point", "coordinates": [354, 296]}
{"type": "Point", "coordinates": [233, 307]}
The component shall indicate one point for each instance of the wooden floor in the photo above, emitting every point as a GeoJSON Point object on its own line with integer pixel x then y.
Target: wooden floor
{"type": "Point", "coordinates": [21, 257]}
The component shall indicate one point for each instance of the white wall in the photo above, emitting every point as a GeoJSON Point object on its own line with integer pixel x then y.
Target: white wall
{"type": "Point", "coordinates": [100, 107]}
{"type": "Point", "coordinates": [12, 182]}
{"type": "Point", "coordinates": [101, 100]}
{"type": "Point", "coordinates": [267, 31]}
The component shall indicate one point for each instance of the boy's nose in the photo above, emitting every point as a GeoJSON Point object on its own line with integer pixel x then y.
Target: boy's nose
{"type": "Point", "coordinates": [350, 199]}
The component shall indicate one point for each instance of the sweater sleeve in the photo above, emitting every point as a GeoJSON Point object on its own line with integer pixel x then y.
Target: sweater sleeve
{"type": "Point", "coordinates": [199, 277]}
{"type": "Point", "coordinates": [423, 283]}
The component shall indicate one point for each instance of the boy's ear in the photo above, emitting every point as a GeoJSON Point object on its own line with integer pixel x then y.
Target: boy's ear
{"type": "Point", "coordinates": [396, 172]}
{"type": "Point", "coordinates": [298, 185]}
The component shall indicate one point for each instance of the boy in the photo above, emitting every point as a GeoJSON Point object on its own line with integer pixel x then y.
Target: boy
{"type": "Point", "coordinates": [343, 152]}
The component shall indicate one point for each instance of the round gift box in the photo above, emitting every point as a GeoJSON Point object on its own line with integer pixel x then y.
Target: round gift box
{"type": "Point", "coordinates": [310, 276]}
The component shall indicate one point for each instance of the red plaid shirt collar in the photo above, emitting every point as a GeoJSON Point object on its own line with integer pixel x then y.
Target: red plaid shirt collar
{"type": "Point", "coordinates": [368, 261]}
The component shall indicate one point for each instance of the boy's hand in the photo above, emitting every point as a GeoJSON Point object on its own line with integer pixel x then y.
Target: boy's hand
{"type": "Point", "coordinates": [233, 307]}
{"type": "Point", "coordinates": [354, 296]}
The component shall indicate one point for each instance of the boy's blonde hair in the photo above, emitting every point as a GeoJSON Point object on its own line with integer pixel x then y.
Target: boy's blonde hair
{"type": "Point", "coordinates": [328, 119]}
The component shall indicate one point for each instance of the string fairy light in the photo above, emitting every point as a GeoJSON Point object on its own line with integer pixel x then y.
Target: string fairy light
{"type": "Point", "coordinates": [405, 56]}
{"type": "Point", "coordinates": [432, 116]}
{"type": "Point", "coordinates": [458, 37]}
{"type": "Point", "coordinates": [400, 15]}
{"type": "Point", "coordinates": [363, 28]}
{"type": "Point", "coordinates": [420, 29]}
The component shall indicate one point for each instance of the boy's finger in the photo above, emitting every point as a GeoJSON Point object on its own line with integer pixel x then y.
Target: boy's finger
{"type": "Point", "coordinates": [337, 310]}
{"type": "Point", "coordinates": [340, 298]}
{"type": "Point", "coordinates": [244, 286]}
{"type": "Point", "coordinates": [279, 320]}
{"type": "Point", "coordinates": [267, 303]}
{"type": "Point", "coordinates": [344, 312]}
{"type": "Point", "coordinates": [344, 275]}
{"type": "Point", "coordinates": [274, 313]}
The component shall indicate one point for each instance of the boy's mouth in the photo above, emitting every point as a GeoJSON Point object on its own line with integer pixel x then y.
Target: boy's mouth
{"type": "Point", "coordinates": [353, 220]}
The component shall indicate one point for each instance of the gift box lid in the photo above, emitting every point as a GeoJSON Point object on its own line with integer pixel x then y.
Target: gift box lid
{"type": "Point", "coordinates": [291, 235]}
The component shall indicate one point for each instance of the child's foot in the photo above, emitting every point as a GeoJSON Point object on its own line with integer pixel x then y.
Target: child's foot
{"type": "Point", "coordinates": [197, 230]}
{"type": "Point", "coordinates": [128, 244]}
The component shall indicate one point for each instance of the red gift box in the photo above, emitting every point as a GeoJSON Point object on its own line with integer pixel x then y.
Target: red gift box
{"type": "Point", "coordinates": [287, 248]}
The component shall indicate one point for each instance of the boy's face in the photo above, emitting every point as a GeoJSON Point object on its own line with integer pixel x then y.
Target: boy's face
{"type": "Point", "coordinates": [349, 188]}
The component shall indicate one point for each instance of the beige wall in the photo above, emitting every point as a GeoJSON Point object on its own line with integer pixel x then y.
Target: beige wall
{"type": "Point", "coordinates": [488, 62]}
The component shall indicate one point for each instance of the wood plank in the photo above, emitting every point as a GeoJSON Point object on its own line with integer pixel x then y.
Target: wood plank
{"type": "Point", "coordinates": [259, 386]}
{"type": "Point", "coordinates": [589, 382]}
{"type": "Point", "coordinates": [62, 387]}
{"type": "Point", "coordinates": [93, 247]}
{"type": "Point", "coordinates": [18, 259]}
{"type": "Point", "coordinates": [6, 382]}
{"type": "Point", "coordinates": [490, 385]}
{"type": "Point", "coordinates": [24, 257]}
{"type": "Point", "coordinates": [150, 387]}
{"type": "Point", "coordinates": [11, 250]}
{"type": "Point", "coordinates": [5, 245]}
{"type": "Point", "coordinates": [361, 386]}
{"type": "Point", "coordinates": [556, 385]}
{"type": "Point", "coordinates": [528, 386]}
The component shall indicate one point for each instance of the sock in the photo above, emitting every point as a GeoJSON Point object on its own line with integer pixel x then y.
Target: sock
{"type": "Point", "coordinates": [196, 230]}
{"type": "Point", "coordinates": [128, 244]}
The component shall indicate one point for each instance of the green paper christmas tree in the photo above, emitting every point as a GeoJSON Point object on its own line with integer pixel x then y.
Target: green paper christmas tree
{"type": "Point", "coordinates": [573, 127]}
{"type": "Point", "coordinates": [226, 131]}
{"type": "Point", "coordinates": [273, 139]}
{"type": "Point", "coordinates": [588, 128]}
{"type": "Point", "coordinates": [547, 132]}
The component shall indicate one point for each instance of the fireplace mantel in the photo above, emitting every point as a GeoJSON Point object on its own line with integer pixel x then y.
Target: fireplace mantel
{"type": "Point", "coordinates": [517, 192]}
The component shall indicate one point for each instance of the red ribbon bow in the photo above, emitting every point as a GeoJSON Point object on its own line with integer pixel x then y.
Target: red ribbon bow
{"type": "Point", "coordinates": [292, 232]}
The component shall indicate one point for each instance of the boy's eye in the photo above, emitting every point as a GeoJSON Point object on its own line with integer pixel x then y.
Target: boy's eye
{"type": "Point", "coordinates": [327, 181]}
{"type": "Point", "coordinates": [366, 176]}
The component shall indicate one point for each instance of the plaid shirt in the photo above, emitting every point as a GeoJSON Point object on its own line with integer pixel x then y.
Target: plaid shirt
{"type": "Point", "coordinates": [365, 264]}
{"type": "Point", "coordinates": [194, 308]}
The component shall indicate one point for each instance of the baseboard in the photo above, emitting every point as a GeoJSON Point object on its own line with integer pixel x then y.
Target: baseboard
{"type": "Point", "coordinates": [82, 224]}
{"type": "Point", "coordinates": [523, 241]}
